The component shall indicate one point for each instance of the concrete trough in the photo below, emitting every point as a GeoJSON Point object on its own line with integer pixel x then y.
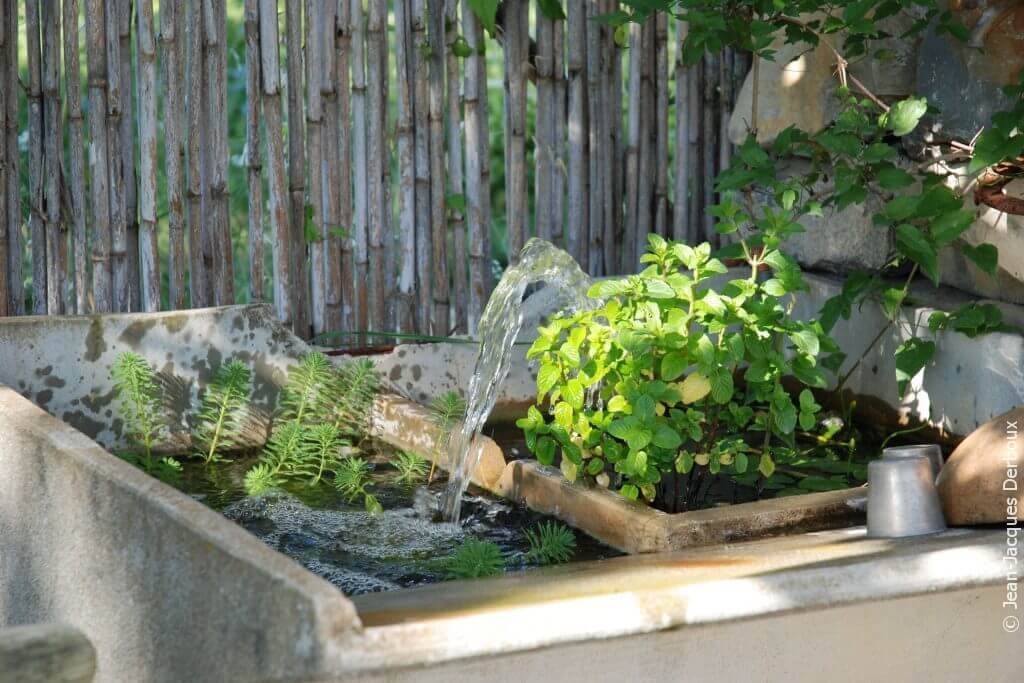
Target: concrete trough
{"type": "Point", "coordinates": [169, 590]}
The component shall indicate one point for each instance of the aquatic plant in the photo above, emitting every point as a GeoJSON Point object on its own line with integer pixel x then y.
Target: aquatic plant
{"type": "Point", "coordinates": [411, 467]}
{"type": "Point", "coordinates": [223, 409]}
{"type": "Point", "coordinates": [322, 410]}
{"type": "Point", "coordinates": [550, 543]}
{"type": "Point", "coordinates": [445, 412]}
{"type": "Point", "coordinates": [352, 480]}
{"type": "Point", "coordinates": [260, 479]}
{"type": "Point", "coordinates": [135, 384]}
{"type": "Point", "coordinates": [475, 559]}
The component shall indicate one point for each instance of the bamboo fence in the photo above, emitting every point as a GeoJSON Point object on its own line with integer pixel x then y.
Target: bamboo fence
{"type": "Point", "coordinates": [366, 158]}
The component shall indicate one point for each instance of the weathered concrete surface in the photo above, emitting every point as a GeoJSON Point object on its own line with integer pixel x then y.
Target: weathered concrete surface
{"type": "Point", "coordinates": [46, 653]}
{"type": "Point", "coordinates": [876, 607]}
{"type": "Point", "coordinates": [984, 471]}
{"type": "Point", "coordinates": [423, 372]}
{"type": "Point", "coordinates": [969, 381]}
{"type": "Point", "coordinates": [165, 588]}
{"type": "Point", "coordinates": [62, 363]}
{"type": "Point", "coordinates": [408, 425]}
{"type": "Point", "coordinates": [637, 528]}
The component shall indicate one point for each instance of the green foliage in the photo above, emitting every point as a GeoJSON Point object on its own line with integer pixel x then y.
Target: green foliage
{"type": "Point", "coordinates": [1004, 139]}
{"type": "Point", "coordinates": [261, 479]}
{"type": "Point", "coordinates": [352, 480]}
{"type": "Point", "coordinates": [654, 380]}
{"type": "Point", "coordinates": [475, 559]}
{"type": "Point", "coordinates": [550, 543]}
{"type": "Point", "coordinates": [323, 409]}
{"type": "Point", "coordinates": [223, 409]}
{"type": "Point", "coordinates": [135, 384]}
{"type": "Point", "coordinates": [411, 467]}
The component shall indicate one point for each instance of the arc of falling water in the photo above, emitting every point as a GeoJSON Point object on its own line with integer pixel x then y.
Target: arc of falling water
{"type": "Point", "coordinates": [539, 261]}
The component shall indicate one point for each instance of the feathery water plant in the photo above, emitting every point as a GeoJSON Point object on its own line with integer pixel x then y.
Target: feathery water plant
{"type": "Point", "coordinates": [411, 467]}
{"type": "Point", "coordinates": [320, 452]}
{"type": "Point", "coordinates": [307, 391]}
{"type": "Point", "coordinates": [261, 479]}
{"type": "Point", "coordinates": [550, 543]}
{"type": "Point", "coordinates": [445, 412]}
{"type": "Point", "coordinates": [355, 386]}
{"type": "Point", "coordinates": [352, 480]}
{"type": "Point", "coordinates": [474, 559]}
{"type": "Point", "coordinates": [136, 386]}
{"type": "Point", "coordinates": [222, 412]}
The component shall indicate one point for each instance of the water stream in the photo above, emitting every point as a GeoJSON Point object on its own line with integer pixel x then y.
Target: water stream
{"type": "Point", "coordinates": [539, 261]}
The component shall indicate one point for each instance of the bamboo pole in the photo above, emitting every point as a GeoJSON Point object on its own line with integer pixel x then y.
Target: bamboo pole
{"type": "Point", "coordinates": [149, 256]}
{"type": "Point", "coordinates": [215, 56]}
{"type": "Point", "coordinates": [633, 168]}
{"type": "Point", "coordinates": [683, 162]}
{"type": "Point", "coordinates": [314, 65]}
{"type": "Point", "coordinates": [16, 294]}
{"type": "Point", "coordinates": [695, 107]}
{"type": "Point", "coordinates": [725, 108]}
{"type": "Point", "coordinates": [342, 162]}
{"type": "Point", "coordinates": [76, 155]}
{"type": "Point", "coordinates": [360, 184]}
{"type": "Point", "coordinates": [117, 183]}
{"type": "Point", "coordinates": [336, 176]}
{"type": "Point", "coordinates": [270, 69]}
{"type": "Point", "coordinates": [127, 147]}
{"type": "Point", "coordinates": [597, 160]}
{"type": "Point", "coordinates": [710, 143]}
{"type": "Point", "coordinates": [648, 156]}
{"type": "Point", "coordinates": [199, 275]}
{"type": "Point", "coordinates": [544, 151]}
{"type": "Point", "coordinates": [404, 130]}
{"type": "Point", "coordinates": [297, 168]}
{"type": "Point", "coordinates": [171, 36]}
{"type": "Point", "coordinates": [474, 102]}
{"type": "Point", "coordinates": [53, 145]}
{"type": "Point", "coordinates": [456, 188]}
{"type": "Point", "coordinates": [422, 284]}
{"type": "Point", "coordinates": [606, 85]}
{"type": "Point", "coordinates": [99, 167]}
{"type": "Point", "coordinates": [35, 158]}
{"type": "Point", "coordinates": [662, 210]}
{"type": "Point", "coordinates": [618, 146]}
{"type": "Point", "coordinates": [517, 40]}
{"type": "Point", "coordinates": [440, 290]}
{"type": "Point", "coordinates": [577, 225]}
{"type": "Point", "coordinates": [5, 21]}
{"type": "Point", "coordinates": [376, 117]}
{"type": "Point", "coordinates": [559, 114]}
{"type": "Point", "coordinates": [253, 157]}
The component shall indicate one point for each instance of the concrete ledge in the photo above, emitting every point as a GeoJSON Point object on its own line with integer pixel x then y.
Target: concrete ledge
{"type": "Point", "coordinates": [637, 528]}
{"type": "Point", "coordinates": [407, 425]}
{"type": "Point", "coordinates": [594, 603]}
{"type": "Point", "coordinates": [165, 588]}
{"type": "Point", "coordinates": [62, 363]}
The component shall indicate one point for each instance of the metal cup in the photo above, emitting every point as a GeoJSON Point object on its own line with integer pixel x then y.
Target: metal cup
{"type": "Point", "coordinates": [928, 450]}
{"type": "Point", "coordinates": [902, 498]}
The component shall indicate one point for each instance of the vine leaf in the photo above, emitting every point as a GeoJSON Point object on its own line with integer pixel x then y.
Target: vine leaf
{"type": "Point", "coordinates": [985, 256]}
{"type": "Point", "coordinates": [486, 11]}
{"type": "Point", "coordinates": [911, 358]}
{"type": "Point", "coordinates": [903, 117]}
{"type": "Point", "coordinates": [916, 246]}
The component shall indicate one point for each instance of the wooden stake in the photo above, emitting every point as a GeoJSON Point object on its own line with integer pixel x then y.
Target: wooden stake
{"type": "Point", "coordinates": [577, 226]}
{"type": "Point", "coordinates": [683, 161]}
{"type": "Point", "coordinates": [360, 184]}
{"type": "Point", "coordinates": [517, 39]}
{"type": "Point", "coordinates": [456, 188]}
{"type": "Point", "coordinates": [376, 118]}
{"type": "Point", "coordinates": [297, 168]}
{"type": "Point", "coordinates": [337, 178]}
{"type": "Point", "coordinates": [117, 183]}
{"type": "Point", "coordinates": [53, 146]}
{"type": "Point", "coordinates": [37, 230]}
{"type": "Point", "coordinates": [253, 157]}
{"type": "Point", "coordinates": [277, 182]}
{"type": "Point", "coordinates": [130, 191]}
{"type": "Point", "coordinates": [440, 289]}
{"type": "Point", "coordinates": [474, 100]}
{"type": "Point", "coordinates": [662, 219]}
{"type": "Point", "coordinates": [404, 75]}
{"type": "Point", "coordinates": [215, 57]}
{"type": "Point", "coordinates": [149, 256]}
{"type": "Point", "coordinates": [544, 151]}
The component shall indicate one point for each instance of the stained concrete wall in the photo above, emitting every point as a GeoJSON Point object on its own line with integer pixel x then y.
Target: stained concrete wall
{"type": "Point", "coordinates": [62, 363]}
{"type": "Point", "coordinates": [165, 588]}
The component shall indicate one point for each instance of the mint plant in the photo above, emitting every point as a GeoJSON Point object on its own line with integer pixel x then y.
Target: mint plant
{"type": "Point", "coordinates": [678, 375]}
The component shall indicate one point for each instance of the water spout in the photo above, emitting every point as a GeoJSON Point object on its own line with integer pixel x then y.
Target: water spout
{"type": "Point", "coordinates": [539, 261]}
